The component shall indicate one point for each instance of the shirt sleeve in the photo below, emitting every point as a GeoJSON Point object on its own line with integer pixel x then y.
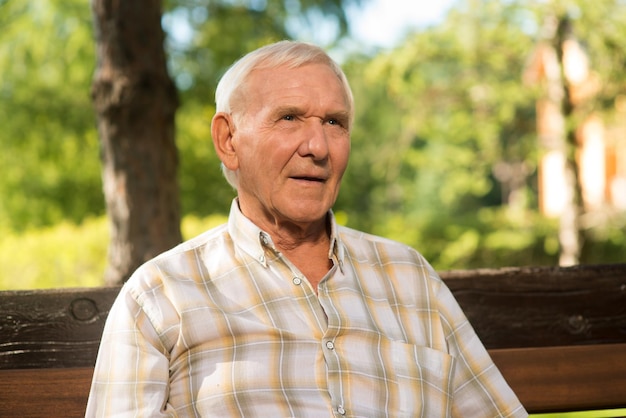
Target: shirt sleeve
{"type": "Point", "coordinates": [132, 369]}
{"type": "Point", "coordinates": [479, 389]}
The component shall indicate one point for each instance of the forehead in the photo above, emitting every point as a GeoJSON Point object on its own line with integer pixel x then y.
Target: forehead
{"type": "Point", "coordinates": [311, 82]}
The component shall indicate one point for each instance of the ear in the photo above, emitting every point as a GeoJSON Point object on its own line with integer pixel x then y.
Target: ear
{"type": "Point", "coordinates": [222, 131]}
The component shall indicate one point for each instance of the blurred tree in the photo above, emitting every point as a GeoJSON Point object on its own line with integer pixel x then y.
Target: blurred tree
{"type": "Point", "coordinates": [579, 93]}
{"type": "Point", "coordinates": [443, 110]}
{"type": "Point", "coordinates": [445, 146]}
{"type": "Point", "coordinates": [135, 102]}
{"type": "Point", "coordinates": [48, 144]}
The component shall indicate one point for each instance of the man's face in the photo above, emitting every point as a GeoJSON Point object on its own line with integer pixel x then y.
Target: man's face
{"type": "Point", "coordinates": [292, 143]}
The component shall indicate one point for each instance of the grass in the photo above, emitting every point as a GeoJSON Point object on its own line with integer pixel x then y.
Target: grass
{"type": "Point", "coordinates": [605, 413]}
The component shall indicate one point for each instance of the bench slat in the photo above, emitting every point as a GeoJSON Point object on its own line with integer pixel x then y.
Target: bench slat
{"type": "Point", "coordinates": [561, 379]}
{"type": "Point", "coordinates": [509, 308]}
{"type": "Point", "coordinates": [52, 328]}
{"type": "Point", "coordinates": [557, 334]}
{"type": "Point", "coordinates": [44, 393]}
{"type": "Point", "coordinates": [546, 379]}
{"type": "Point", "coordinates": [543, 306]}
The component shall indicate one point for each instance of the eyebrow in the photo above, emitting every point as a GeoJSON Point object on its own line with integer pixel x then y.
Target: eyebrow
{"type": "Point", "coordinates": [288, 110]}
{"type": "Point", "coordinates": [343, 116]}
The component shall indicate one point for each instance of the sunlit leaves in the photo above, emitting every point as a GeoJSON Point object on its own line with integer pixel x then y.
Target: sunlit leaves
{"type": "Point", "coordinates": [446, 112]}
{"type": "Point", "coordinates": [49, 154]}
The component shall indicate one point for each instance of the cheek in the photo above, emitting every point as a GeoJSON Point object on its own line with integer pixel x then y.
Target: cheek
{"type": "Point", "coordinates": [342, 155]}
{"type": "Point", "coordinates": [276, 154]}
{"type": "Point", "coordinates": [264, 163]}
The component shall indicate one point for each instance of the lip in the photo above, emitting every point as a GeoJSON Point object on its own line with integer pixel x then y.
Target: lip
{"type": "Point", "coordinates": [309, 178]}
{"type": "Point", "coordinates": [312, 176]}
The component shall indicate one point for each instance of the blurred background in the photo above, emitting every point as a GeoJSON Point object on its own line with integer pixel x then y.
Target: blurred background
{"type": "Point", "coordinates": [488, 133]}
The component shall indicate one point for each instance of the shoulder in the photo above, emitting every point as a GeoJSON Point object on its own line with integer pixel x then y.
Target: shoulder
{"type": "Point", "coordinates": [212, 237]}
{"type": "Point", "coordinates": [162, 287]}
{"type": "Point", "coordinates": [391, 270]}
{"type": "Point", "coordinates": [184, 262]}
{"type": "Point", "coordinates": [392, 257]}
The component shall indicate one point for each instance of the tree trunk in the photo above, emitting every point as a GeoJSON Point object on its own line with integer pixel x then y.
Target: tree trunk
{"type": "Point", "coordinates": [135, 102]}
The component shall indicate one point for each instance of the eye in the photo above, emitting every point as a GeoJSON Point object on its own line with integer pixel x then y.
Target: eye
{"type": "Point", "coordinates": [335, 122]}
{"type": "Point", "coordinates": [289, 117]}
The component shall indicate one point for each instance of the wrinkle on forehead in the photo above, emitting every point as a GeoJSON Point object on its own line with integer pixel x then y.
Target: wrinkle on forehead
{"type": "Point", "coordinates": [274, 78]}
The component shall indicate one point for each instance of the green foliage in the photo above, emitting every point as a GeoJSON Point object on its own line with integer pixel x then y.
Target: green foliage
{"type": "Point", "coordinates": [68, 255]}
{"type": "Point", "coordinates": [604, 413]}
{"type": "Point", "coordinates": [443, 121]}
{"type": "Point", "coordinates": [64, 255]}
{"type": "Point", "coordinates": [430, 127]}
{"type": "Point", "coordinates": [48, 144]}
{"type": "Point", "coordinates": [203, 188]}
{"type": "Point", "coordinates": [219, 32]}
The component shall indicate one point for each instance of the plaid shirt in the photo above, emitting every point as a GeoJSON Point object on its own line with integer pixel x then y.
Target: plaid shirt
{"type": "Point", "coordinates": [225, 326]}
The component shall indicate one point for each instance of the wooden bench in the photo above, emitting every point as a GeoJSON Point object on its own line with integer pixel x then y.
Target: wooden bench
{"type": "Point", "coordinates": [557, 334]}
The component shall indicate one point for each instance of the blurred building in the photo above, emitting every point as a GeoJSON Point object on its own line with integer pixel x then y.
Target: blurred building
{"type": "Point", "coordinates": [599, 151]}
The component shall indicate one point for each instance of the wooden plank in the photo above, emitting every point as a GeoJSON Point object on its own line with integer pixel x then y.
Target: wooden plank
{"type": "Point", "coordinates": [44, 393]}
{"type": "Point", "coordinates": [49, 339]}
{"type": "Point", "coordinates": [509, 308]}
{"type": "Point", "coordinates": [548, 379]}
{"type": "Point", "coordinates": [561, 379]}
{"type": "Point", "coordinates": [52, 328]}
{"type": "Point", "coordinates": [543, 306]}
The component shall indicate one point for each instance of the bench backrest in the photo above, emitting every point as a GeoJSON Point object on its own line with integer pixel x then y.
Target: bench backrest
{"type": "Point", "coordinates": [557, 334]}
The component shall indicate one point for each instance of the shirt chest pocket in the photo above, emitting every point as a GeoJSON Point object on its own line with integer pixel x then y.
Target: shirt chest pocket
{"type": "Point", "coordinates": [424, 379]}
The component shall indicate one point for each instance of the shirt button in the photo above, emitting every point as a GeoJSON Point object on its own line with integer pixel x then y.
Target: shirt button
{"type": "Point", "coordinates": [330, 345]}
{"type": "Point", "coordinates": [262, 258]}
{"type": "Point", "coordinates": [341, 411]}
{"type": "Point", "coordinates": [297, 281]}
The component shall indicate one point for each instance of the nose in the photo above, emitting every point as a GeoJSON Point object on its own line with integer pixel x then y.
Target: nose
{"type": "Point", "coordinates": [315, 141]}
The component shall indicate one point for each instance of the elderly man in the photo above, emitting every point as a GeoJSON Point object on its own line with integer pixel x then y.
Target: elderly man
{"type": "Point", "coordinates": [281, 312]}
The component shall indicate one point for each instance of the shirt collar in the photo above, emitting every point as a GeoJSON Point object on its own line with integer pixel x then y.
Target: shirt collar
{"type": "Point", "coordinates": [253, 240]}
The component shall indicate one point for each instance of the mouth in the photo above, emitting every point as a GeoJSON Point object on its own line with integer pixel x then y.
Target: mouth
{"type": "Point", "coordinates": [309, 178]}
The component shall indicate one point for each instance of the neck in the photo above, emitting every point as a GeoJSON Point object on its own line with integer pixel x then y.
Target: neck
{"type": "Point", "coordinates": [289, 237]}
{"type": "Point", "coordinates": [305, 244]}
